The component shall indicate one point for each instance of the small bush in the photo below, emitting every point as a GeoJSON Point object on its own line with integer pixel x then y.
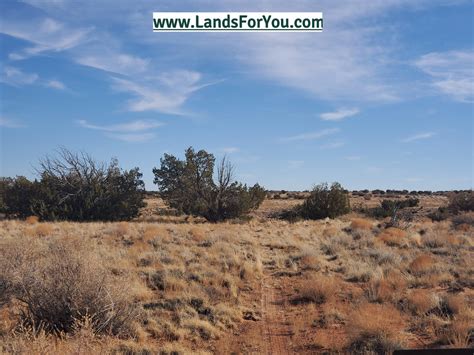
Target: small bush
{"type": "Point", "coordinates": [422, 301]}
{"type": "Point", "coordinates": [393, 236]}
{"type": "Point", "coordinates": [440, 214]}
{"type": "Point", "coordinates": [379, 291]}
{"type": "Point", "coordinates": [389, 208]}
{"type": "Point", "coordinates": [325, 202]}
{"type": "Point", "coordinates": [361, 224]}
{"type": "Point", "coordinates": [422, 264]}
{"type": "Point", "coordinates": [395, 209]}
{"type": "Point", "coordinates": [375, 328]}
{"type": "Point", "coordinates": [461, 202]}
{"type": "Point", "coordinates": [59, 283]}
{"type": "Point", "coordinates": [462, 220]}
{"type": "Point", "coordinates": [317, 290]}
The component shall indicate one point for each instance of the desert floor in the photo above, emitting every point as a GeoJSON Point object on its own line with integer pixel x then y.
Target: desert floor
{"type": "Point", "coordinates": [263, 286]}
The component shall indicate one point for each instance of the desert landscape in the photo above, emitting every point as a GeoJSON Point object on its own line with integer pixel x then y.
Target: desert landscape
{"type": "Point", "coordinates": [251, 177]}
{"type": "Point", "coordinates": [180, 285]}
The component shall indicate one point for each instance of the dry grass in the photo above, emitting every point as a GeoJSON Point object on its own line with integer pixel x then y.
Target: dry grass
{"type": "Point", "coordinates": [393, 237]}
{"type": "Point", "coordinates": [32, 220]}
{"type": "Point", "coordinates": [318, 289]}
{"type": "Point", "coordinates": [422, 301]}
{"type": "Point", "coordinates": [193, 287]}
{"type": "Point", "coordinates": [380, 291]}
{"type": "Point", "coordinates": [361, 224]}
{"type": "Point", "coordinates": [122, 229]}
{"type": "Point", "coordinates": [59, 282]}
{"type": "Point", "coordinates": [375, 328]}
{"type": "Point", "coordinates": [422, 264]}
{"type": "Point", "coordinates": [43, 229]}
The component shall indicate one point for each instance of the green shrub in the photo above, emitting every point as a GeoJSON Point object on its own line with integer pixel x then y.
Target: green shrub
{"type": "Point", "coordinates": [325, 202]}
{"type": "Point", "coordinates": [75, 187]}
{"type": "Point", "coordinates": [390, 208]}
{"type": "Point", "coordinates": [189, 187]}
{"type": "Point", "coordinates": [16, 195]}
{"type": "Point", "coordinates": [440, 214]}
{"type": "Point", "coordinates": [461, 202]}
{"type": "Point", "coordinates": [466, 218]}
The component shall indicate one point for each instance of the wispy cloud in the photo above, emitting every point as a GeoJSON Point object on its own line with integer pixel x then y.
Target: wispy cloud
{"type": "Point", "coordinates": [48, 35]}
{"type": "Point", "coordinates": [16, 77]}
{"type": "Point", "coordinates": [111, 61]}
{"type": "Point", "coordinates": [55, 84]}
{"type": "Point", "coordinates": [310, 135]}
{"type": "Point", "coordinates": [166, 93]}
{"type": "Point", "coordinates": [8, 123]}
{"type": "Point", "coordinates": [339, 114]}
{"type": "Point", "coordinates": [136, 137]}
{"type": "Point", "coordinates": [133, 126]}
{"type": "Point", "coordinates": [134, 131]}
{"type": "Point", "coordinates": [452, 73]}
{"type": "Point", "coordinates": [419, 136]}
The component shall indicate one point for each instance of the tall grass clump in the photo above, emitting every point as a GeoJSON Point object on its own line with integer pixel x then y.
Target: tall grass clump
{"type": "Point", "coordinates": [60, 283]}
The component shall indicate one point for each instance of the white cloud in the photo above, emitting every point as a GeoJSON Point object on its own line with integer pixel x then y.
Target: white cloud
{"type": "Point", "coordinates": [134, 131]}
{"type": "Point", "coordinates": [133, 126]}
{"type": "Point", "coordinates": [339, 114]}
{"type": "Point", "coordinates": [48, 35]}
{"type": "Point", "coordinates": [311, 135]}
{"type": "Point", "coordinates": [347, 67]}
{"type": "Point", "coordinates": [8, 123]}
{"type": "Point", "coordinates": [340, 63]}
{"type": "Point", "coordinates": [111, 61]}
{"type": "Point", "coordinates": [16, 77]}
{"type": "Point", "coordinates": [353, 157]}
{"type": "Point", "coordinates": [418, 136]}
{"type": "Point", "coordinates": [55, 84]}
{"type": "Point", "coordinates": [166, 93]}
{"type": "Point", "coordinates": [452, 73]}
{"type": "Point", "coordinates": [134, 138]}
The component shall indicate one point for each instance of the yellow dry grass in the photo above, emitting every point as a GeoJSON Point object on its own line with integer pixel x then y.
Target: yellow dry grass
{"type": "Point", "coordinates": [342, 289]}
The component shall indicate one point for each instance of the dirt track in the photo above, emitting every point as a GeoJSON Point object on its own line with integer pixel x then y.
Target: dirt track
{"type": "Point", "coordinates": [276, 328]}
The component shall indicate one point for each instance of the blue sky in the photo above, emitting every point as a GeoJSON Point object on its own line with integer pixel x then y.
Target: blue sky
{"type": "Point", "coordinates": [382, 98]}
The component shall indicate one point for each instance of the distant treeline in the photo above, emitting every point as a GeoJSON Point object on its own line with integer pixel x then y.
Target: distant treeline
{"type": "Point", "coordinates": [73, 186]}
{"type": "Point", "coordinates": [377, 192]}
